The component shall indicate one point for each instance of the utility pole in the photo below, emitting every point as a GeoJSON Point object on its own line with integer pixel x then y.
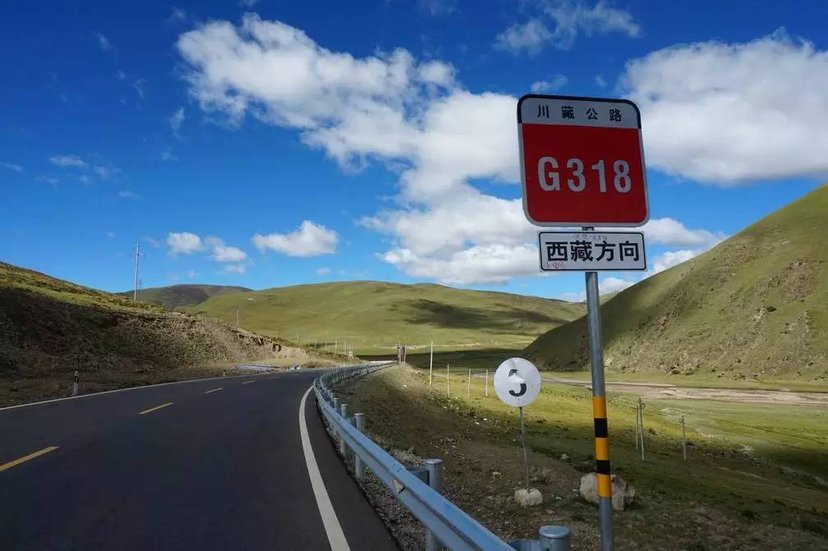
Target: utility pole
{"type": "Point", "coordinates": [137, 268]}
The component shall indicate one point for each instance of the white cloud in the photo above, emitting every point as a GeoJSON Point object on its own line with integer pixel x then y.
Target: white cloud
{"type": "Point", "coordinates": [224, 253]}
{"type": "Point", "coordinates": [138, 86]}
{"type": "Point", "coordinates": [12, 166]}
{"type": "Point", "coordinates": [323, 271]}
{"type": "Point", "coordinates": [477, 264]}
{"type": "Point", "coordinates": [236, 269]}
{"type": "Point", "coordinates": [599, 80]}
{"type": "Point", "coordinates": [309, 240]}
{"type": "Point", "coordinates": [529, 37]}
{"type": "Point", "coordinates": [613, 285]}
{"type": "Point", "coordinates": [105, 172]}
{"type": "Point", "coordinates": [568, 19]}
{"type": "Point", "coordinates": [104, 42]}
{"type": "Point", "coordinates": [68, 161]}
{"type": "Point", "coordinates": [672, 258]}
{"type": "Point", "coordinates": [177, 119]}
{"type": "Point", "coordinates": [248, 3]}
{"type": "Point", "coordinates": [731, 114]}
{"type": "Point", "coordinates": [177, 14]}
{"type": "Point", "coordinates": [555, 83]}
{"type": "Point", "coordinates": [412, 116]}
{"type": "Point", "coordinates": [668, 231]}
{"type": "Point", "coordinates": [184, 243]}
{"type": "Point", "coordinates": [167, 155]}
{"type": "Point", "coordinates": [438, 7]}
{"type": "Point", "coordinates": [127, 194]}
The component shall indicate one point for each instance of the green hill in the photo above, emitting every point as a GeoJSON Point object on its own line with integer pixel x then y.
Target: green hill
{"type": "Point", "coordinates": [373, 317]}
{"type": "Point", "coordinates": [179, 296]}
{"type": "Point", "coordinates": [50, 327]}
{"type": "Point", "coordinates": [755, 306]}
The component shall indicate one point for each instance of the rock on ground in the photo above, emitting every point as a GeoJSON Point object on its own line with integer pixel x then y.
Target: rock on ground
{"type": "Point", "coordinates": [623, 493]}
{"type": "Point", "coordinates": [528, 498]}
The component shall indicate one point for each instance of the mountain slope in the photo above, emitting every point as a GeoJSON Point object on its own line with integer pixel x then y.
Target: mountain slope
{"type": "Point", "coordinates": [178, 296]}
{"type": "Point", "coordinates": [372, 315]}
{"type": "Point", "coordinates": [756, 305]}
{"type": "Point", "coordinates": [49, 328]}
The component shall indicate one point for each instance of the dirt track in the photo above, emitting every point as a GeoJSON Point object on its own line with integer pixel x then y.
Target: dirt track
{"type": "Point", "coordinates": [666, 391]}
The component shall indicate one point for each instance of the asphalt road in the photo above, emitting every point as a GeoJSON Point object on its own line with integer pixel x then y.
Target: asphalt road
{"type": "Point", "coordinates": [213, 469]}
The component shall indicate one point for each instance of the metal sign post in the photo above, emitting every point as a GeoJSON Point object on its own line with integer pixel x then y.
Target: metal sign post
{"type": "Point", "coordinates": [582, 164]}
{"type": "Point", "coordinates": [517, 383]}
{"type": "Point", "coordinates": [599, 411]}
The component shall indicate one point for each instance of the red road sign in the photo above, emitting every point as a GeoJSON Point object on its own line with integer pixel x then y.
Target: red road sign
{"type": "Point", "coordinates": [582, 161]}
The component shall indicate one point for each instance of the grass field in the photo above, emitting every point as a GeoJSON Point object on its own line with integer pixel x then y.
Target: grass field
{"type": "Point", "coordinates": [373, 317]}
{"type": "Point", "coordinates": [755, 474]}
{"type": "Point", "coordinates": [753, 307]}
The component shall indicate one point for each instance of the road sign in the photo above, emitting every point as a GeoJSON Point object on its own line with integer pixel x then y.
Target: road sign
{"type": "Point", "coordinates": [517, 382]}
{"type": "Point", "coordinates": [582, 161]}
{"type": "Point", "coordinates": [591, 251]}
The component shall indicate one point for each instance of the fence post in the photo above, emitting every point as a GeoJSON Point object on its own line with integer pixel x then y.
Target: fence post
{"type": "Point", "coordinates": [641, 424]}
{"type": "Point", "coordinates": [683, 439]}
{"type": "Point", "coordinates": [468, 389]}
{"type": "Point", "coordinates": [75, 384]}
{"type": "Point", "coordinates": [343, 448]}
{"type": "Point", "coordinates": [448, 380]}
{"type": "Point", "coordinates": [487, 383]}
{"type": "Point", "coordinates": [359, 467]}
{"type": "Point", "coordinates": [435, 480]}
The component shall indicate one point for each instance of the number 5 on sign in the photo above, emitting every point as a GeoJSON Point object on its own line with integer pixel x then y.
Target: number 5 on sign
{"type": "Point", "coordinates": [517, 382]}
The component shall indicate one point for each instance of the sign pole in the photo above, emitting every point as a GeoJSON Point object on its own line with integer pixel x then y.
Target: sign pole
{"type": "Point", "coordinates": [431, 364]}
{"type": "Point", "coordinates": [525, 455]}
{"type": "Point", "coordinates": [599, 411]}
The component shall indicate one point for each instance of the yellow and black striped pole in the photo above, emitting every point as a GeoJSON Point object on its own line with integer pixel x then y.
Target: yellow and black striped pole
{"type": "Point", "coordinates": [599, 412]}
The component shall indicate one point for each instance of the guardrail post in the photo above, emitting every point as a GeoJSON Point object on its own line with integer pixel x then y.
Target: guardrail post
{"type": "Point", "coordinates": [435, 480]}
{"type": "Point", "coordinates": [343, 448]}
{"type": "Point", "coordinates": [359, 467]}
{"type": "Point", "coordinates": [554, 538]}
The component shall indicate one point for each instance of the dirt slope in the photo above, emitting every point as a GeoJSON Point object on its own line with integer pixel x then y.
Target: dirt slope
{"type": "Point", "coordinates": [49, 328]}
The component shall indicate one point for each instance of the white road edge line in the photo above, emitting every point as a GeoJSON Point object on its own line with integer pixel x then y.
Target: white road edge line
{"type": "Point", "coordinates": [336, 537]}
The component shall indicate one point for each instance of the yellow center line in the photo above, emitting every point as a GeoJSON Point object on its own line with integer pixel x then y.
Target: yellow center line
{"type": "Point", "coordinates": [156, 408]}
{"type": "Point", "coordinates": [214, 390]}
{"type": "Point", "coordinates": [25, 458]}
{"type": "Point", "coordinates": [248, 382]}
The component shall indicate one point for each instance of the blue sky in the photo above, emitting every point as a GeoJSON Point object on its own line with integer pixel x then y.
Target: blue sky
{"type": "Point", "coordinates": [273, 143]}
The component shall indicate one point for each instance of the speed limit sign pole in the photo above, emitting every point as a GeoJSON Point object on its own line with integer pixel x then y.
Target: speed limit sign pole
{"type": "Point", "coordinates": [582, 165]}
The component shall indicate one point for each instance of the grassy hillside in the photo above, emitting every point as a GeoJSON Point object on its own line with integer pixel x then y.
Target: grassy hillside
{"type": "Point", "coordinates": [374, 316]}
{"type": "Point", "coordinates": [755, 306]}
{"type": "Point", "coordinates": [49, 328]}
{"type": "Point", "coordinates": [178, 296]}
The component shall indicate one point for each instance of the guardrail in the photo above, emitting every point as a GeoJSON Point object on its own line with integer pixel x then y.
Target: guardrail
{"type": "Point", "coordinates": [446, 524]}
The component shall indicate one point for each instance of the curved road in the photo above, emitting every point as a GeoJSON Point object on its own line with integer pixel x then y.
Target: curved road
{"type": "Point", "coordinates": [213, 464]}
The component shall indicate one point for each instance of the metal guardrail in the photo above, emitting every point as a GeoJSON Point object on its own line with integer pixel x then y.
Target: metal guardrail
{"type": "Point", "coordinates": [453, 527]}
{"type": "Point", "coordinates": [446, 524]}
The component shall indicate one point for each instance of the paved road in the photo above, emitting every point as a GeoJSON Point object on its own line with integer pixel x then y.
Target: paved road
{"type": "Point", "coordinates": [214, 469]}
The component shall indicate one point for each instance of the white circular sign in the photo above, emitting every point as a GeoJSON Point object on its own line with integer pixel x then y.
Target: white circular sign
{"type": "Point", "coordinates": [517, 382]}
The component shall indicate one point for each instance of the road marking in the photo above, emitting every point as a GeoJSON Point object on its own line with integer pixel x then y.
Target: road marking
{"type": "Point", "coordinates": [336, 537]}
{"type": "Point", "coordinates": [214, 390]}
{"type": "Point", "coordinates": [25, 458]}
{"type": "Point", "coordinates": [248, 382]}
{"type": "Point", "coordinates": [95, 394]}
{"type": "Point", "coordinates": [156, 408]}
